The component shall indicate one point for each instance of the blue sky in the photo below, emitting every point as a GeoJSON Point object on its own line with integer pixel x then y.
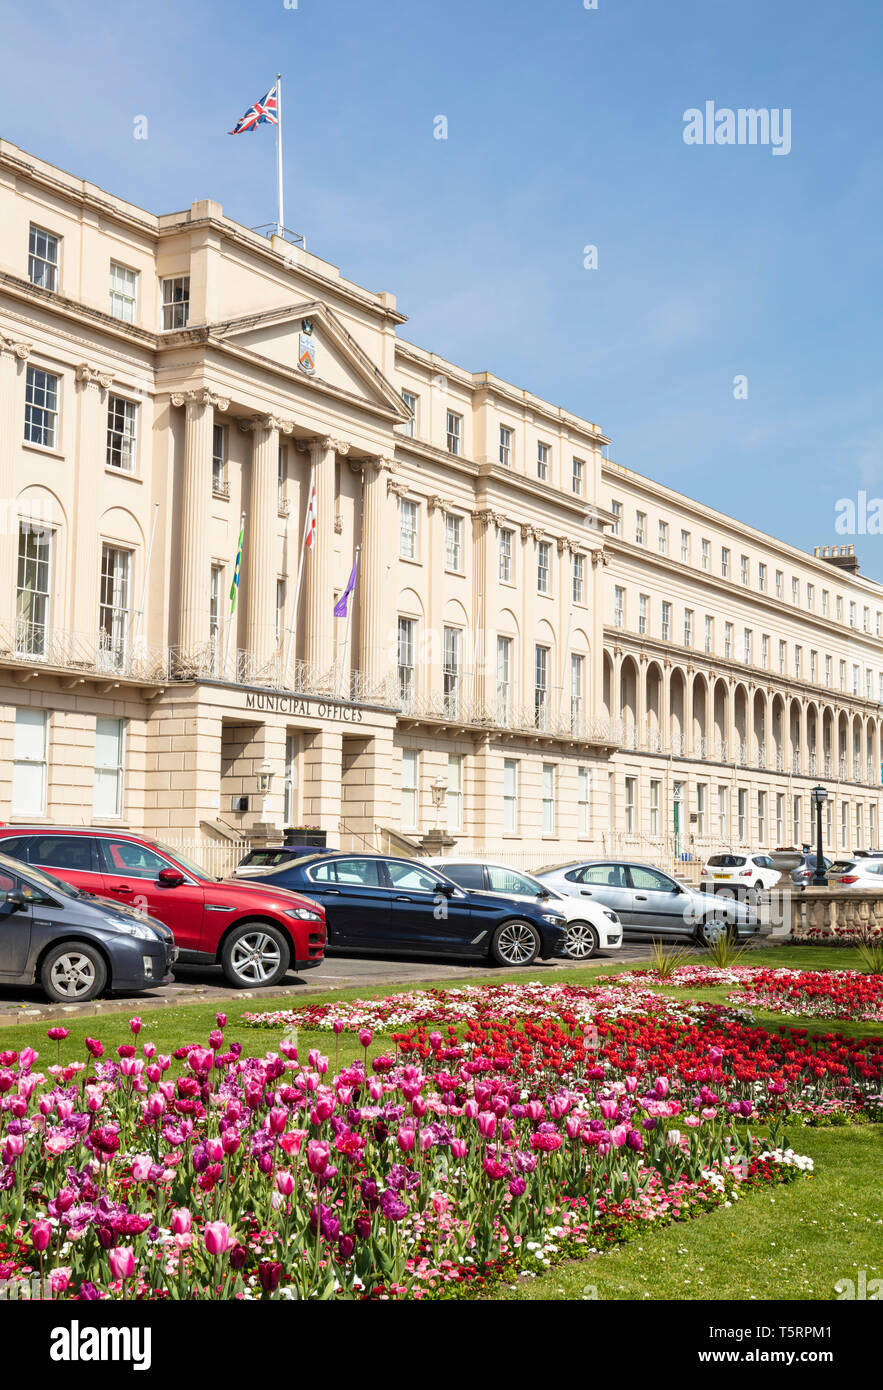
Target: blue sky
{"type": "Point", "coordinates": [564, 130]}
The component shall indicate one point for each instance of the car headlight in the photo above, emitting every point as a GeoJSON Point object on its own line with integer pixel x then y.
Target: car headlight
{"type": "Point", "coordinates": [131, 929]}
{"type": "Point", "coordinates": [612, 915]}
{"type": "Point", "coordinates": [554, 917]}
{"type": "Point", "coordinates": [303, 914]}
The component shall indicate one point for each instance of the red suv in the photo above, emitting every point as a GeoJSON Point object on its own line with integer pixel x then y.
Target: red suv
{"type": "Point", "coordinates": [256, 933]}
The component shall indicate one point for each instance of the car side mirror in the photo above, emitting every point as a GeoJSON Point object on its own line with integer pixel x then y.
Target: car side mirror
{"type": "Point", "coordinates": [446, 888]}
{"type": "Point", "coordinates": [677, 888]}
{"type": "Point", "coordinates": [170, 878]}
{"type": "Point", "coordinates": [16, 900]}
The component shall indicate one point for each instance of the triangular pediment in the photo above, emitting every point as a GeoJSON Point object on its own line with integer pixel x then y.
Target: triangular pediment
{"type": "Point", "coordinates": [328, 356]}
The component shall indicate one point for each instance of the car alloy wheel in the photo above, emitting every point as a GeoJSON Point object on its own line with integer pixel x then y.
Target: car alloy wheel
{"type": "Point", "coordinates": [580, 940]}
{"type": "Point", "coordinates": [516, 943]}
{"type": "Point", "coordinates": [256, 957]}
{"type": "Point", "coordinates": [73, 975]}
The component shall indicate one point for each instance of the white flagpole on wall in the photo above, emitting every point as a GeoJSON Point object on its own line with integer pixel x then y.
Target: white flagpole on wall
{"type": "Point", "coordinates": [139, 616]}
{"type": "Point", "coordinates": [280, 220]}
{"type": "Point", "coordinates": [349, 617]}
{"type": "Point", "coordinates": [300, 580]}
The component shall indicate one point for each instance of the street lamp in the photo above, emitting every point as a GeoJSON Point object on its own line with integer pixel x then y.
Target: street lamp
{"type": "Point", "coordinates": [820, 878]}
{"type": "Point", "coordinates": [439, 791]}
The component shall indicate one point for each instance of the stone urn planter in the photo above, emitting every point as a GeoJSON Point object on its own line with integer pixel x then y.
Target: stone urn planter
{"type": "Point", "coordinates": [785, 860]}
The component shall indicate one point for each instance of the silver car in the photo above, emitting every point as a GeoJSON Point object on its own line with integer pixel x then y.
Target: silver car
{"type": "Point", "coordinates": [649, 902]}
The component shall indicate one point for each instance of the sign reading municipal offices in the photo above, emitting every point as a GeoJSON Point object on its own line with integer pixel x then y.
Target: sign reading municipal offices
{"type": "Point", "coordinates": [269, 703]}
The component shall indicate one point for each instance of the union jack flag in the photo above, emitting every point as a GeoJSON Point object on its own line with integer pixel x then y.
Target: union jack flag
{"type": "Point", "coordinates": [264, 112]}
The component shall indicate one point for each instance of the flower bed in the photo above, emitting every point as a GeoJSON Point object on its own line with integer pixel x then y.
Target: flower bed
{"type": "Point", "coordinates": [446, 1163]}
{"type": "Point", "coordinates": [841, 994]}
{"type": "Point", "coordinates": [845, 994]}
{"type": "Point", "coordinates": [474, 1003]}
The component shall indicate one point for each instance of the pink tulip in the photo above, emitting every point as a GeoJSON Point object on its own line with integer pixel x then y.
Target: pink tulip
{"type": "Point", "coordinates": [41, 1234]}
{"type": "Point", "coordinates": [285, 1183]}
{"type": "Point", "coordinates": [631, 1085]}
{"type": "Point", "coordinates": [440, 1203]}
{"type": "Point", "coordinates": [459, 1148]}
{"type": "Point", "coordinates": [231, 1139]}
{"type": "Point", "coordinates": [470, 1109]}
{"type": "Point", "coordinates": [141, 1168]}
{"type": "Point", "coordinates": [277, 1119]}
{"type": "Point", "coordinates": [181, 1221]}
{"type": "Point", "coordinates": [135, 1025]}
{"type": "Point", "coordinates": [217, 1236]}
{"type": "Point", "coordinates": [405, 1139]}
{"type": "Point", "coordinates": [365, 1036]}
{"type": "Point", "coordinates": [122, 1261]}
{"type": "Point", "coordinates": [318, 1156]}
{"type": "Point", "coordinates": [661, 1088]}
{"type": "Point", "coordinates": [487, 1124]}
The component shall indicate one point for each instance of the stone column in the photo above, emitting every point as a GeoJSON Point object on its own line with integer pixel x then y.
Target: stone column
{"type": "Point", "coordinates": [483, 682]}
{"type": "Point", "coordinates": [12, 353]}
{"type": "Point", "coordinates": [86, 551]}
{"type": "Point", "coordinates": [194, 577]}
{"type": "Point", "coordinates": [378, 544]}
{"type": "Point", "coordinates": [318, 580]}
{"type": "Point", "coordinates": [261, 549]}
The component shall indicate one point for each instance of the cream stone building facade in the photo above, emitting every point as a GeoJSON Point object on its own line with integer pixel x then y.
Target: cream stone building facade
{"type": "Point", "coordinates": [545, 653]}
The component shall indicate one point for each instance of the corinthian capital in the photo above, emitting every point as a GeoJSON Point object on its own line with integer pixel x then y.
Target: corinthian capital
{"type": "Point", "coordinates": [200, 398]}
{"type": "Point", "coordinates": [93, 376]}
{"type": "Point", "coordinates": [13, 347]}
{"type": "Point", "coordinates": [266, 422]}
{"type": "Point", "coordinates": [321, 445]}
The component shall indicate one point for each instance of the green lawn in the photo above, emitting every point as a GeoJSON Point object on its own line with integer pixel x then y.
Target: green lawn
{"type": "Point", "coordinates": [792, 1243]}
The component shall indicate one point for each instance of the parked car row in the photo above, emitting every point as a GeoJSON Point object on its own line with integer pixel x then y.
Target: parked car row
{"type": "Point", "coordinates": [87, 909]}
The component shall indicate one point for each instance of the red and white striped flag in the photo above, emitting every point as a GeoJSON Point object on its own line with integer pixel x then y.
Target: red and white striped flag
{"type": "Point", "coordinates": [310, 528]}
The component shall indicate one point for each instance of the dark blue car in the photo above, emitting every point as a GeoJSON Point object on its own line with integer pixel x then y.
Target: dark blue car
{"type": "Point", "coordinates": [374, 903]}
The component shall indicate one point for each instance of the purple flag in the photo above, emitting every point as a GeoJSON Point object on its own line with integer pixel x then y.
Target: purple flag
{"type": "Point", "coordinates": [340, 607]}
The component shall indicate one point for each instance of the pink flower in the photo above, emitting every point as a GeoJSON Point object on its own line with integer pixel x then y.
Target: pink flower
{"type": "Point", "coordinates": [181, 1221]}
{"type": "Point", "coordinates": [440, 1203]}
{"type": "Point", "coordinates": [122, 1261]}
{"type": "Point", "coordinates": [487, 1124]}
{"type": "Point", "coordinates": [217, 1236]}
{"type": "Point", "coordinates": [365, 1036]}
{"type": "Point", "coordinates": [59, 1279]}
{"type": "Point", "coordinates": [285, 1183]}
{"type": "Point", "coordinates": [41, 1234]}
{"type": "Point", "coordinates": [290, 1143]}
{"type": "Point", "coordinates": [135, 1025]}
{"type": "Point", "coordinates": [57, 1034]}
{"type": "Point", "coordinates": [405, 1139]}
{"type": "Point", "coordinates": [318, 1156]}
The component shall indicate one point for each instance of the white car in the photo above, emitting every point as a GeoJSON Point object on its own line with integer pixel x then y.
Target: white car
{"type": "Point", "coordinates": [856, 872]}
{"type": "Point", "coordinates": [745, 873]}
{"type": "Point", "coordinates": [590, 926]}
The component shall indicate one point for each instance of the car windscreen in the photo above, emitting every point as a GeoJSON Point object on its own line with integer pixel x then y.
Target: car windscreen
{"type": "Point", "coordinates": [40, 879]}
{"type": "Point", "coordinates": [188, 864]}
{"type": "Point", "coordinates": [267, 856]}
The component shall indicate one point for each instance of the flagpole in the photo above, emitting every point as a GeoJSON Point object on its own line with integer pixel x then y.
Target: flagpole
{"type": "Point", "coordinates": [233, 607]}
{"type": "Point", "coordinates": [300, 578]}
{"type": "Point", "coordinates": [139, 616]}
{"type": "Point", "coordinates": [349, 617]}
{"type": "Point", "coordinates": [280, 221]}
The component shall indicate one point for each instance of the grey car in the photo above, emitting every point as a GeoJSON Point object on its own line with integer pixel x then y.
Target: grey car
{"type": "Point", "coordinates": [74, 944]}
{"type": "Point", "coordinates": [649, 902]}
